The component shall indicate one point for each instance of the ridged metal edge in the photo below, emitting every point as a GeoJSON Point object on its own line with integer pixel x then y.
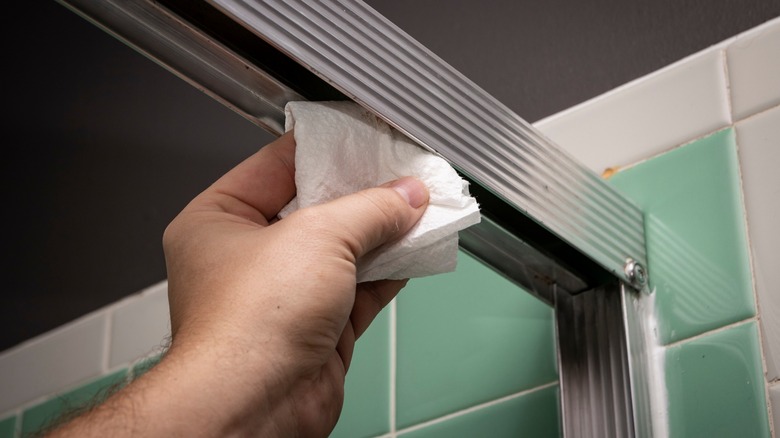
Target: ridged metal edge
{"type": "Point", "coordinates": [369, 59]}
{"type": "Point", "coordinates": [603, 364]}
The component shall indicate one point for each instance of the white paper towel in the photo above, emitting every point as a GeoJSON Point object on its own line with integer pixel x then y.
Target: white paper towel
{"type": "Point", "coordinates": [342, 149]}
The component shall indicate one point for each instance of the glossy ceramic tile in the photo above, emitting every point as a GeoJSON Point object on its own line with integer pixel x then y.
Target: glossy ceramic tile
{"type": "Point", "coordinates": [27, 371]}
{"type": "Point", "coordinates": [696, 239]}
{"type": "Point", "coordinates": [646, 117]}
{"type": "Point", "coordinates": [8, 427]}
{"type": "Point", "coordinates": [466, 338]}
{"type": "Point", "coordinates": [49, 412]}
{"type": "Point", "coordinates": [140, 325]}
{"type": "Point", "coordinates": [531, 415]}
{"type": "Point", "coordinates": [759, 153]}
{"type": "Point", "coordinates": [754, 69]}
{"type": "Point", "coordinates": [716, 386]}
{"type": "Point", "coordinates": [774, 399]}
{"type": "Point", "coordinates": [367, 391]}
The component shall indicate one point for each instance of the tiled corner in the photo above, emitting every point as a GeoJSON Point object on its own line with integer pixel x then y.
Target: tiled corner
{"type": "Point", "coordinates": [531, 415]}
{"type": "Point", "coordinates": [8, 427]}
{"type": "Point", "coordinates": [645, 117]}
{"type": "Point", "coordinates": [758, 138]}
{"type": "Point", "coordinates": [43, 415]}
{"type": "Point", "coordinates": [696, 240]}
{"type": "Point", "coordinates": [774, 399]}
{"type": "Point", "coordinates": [27, 371]}
{"type": "Point", "coordinates": [754, 69]}
{"type": "Point", "coordinates": [140, 325]}
{"type": "Point", "coordinates": [466, 338]}
{"type": "Point", "coordinates": [716, 386]}
{"type": "Point", "coordinates": [366, 409]}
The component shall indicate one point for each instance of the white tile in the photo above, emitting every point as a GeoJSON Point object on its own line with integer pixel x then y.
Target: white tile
{"type": "Point", "coordinates": [652, 114]}
{"type": "Point", "coordinates": [52, 362]}
{"type": "Point", "coordinates": [758, 140]}
{"type": "Point", "coordinates": [140, 325]}
{"type": "Point", "coordinates": [754, 70]}
{"type": "Point", "coordinates": [774, 399]}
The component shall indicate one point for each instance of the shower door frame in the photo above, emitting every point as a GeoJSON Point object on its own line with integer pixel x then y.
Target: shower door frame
{"type": "Point", "coordinates": [549, 224]}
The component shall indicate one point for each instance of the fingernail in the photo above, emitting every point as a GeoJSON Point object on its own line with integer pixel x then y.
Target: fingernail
{"type": "Point", "coordinates": [412, 189]}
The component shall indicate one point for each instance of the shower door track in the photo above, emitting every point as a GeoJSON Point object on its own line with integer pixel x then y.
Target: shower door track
{"type": "Point", "coordinates": [549, 224]}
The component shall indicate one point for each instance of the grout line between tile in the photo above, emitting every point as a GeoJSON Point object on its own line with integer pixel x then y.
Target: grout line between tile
{"type": "Point", "coordinates": [712, 332]}
{"type": "Point", "coordinates": [393, 362]}
{"type": "Point", "coordinates": [18, 425]}
{"type": "Point", "coordinates": [753, 283]}
{"type": "Point", "coordinates": [475, 408]}
{"type": "Point", "coordinates": [677, 146]}
{"type": "Point", "coordinates": [757, 114]}
{"type": "Point", "coordinates": [727, 79]}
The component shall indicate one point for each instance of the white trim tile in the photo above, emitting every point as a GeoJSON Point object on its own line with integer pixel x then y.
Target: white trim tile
{"type": "Point", "coordinates": [52, 362]}
{"type": "Point", "coordinates": [140, 325]}
{"type": "Point", "coordinates": [754, 70]}
{"type": "Point", "coordinates": [648, 116]}
{"type": "Point", "coordinates": [758, 141]}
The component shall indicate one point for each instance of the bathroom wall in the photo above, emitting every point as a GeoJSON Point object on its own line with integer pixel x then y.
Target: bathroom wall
{"type": "Point", "coordinates": [695, 144]}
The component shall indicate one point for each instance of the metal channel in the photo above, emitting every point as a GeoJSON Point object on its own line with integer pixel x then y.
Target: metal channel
{"type": "Point", "coordinates": [373, 62]}
{"type": "Point", "coordinates": [603, 364]}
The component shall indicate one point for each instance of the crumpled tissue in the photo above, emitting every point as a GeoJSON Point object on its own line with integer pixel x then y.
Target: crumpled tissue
{"type": "Point", "coordinates": [342, 148]}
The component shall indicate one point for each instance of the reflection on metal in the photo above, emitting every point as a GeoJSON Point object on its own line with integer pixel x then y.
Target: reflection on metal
{"type": "Point", "coordinates": [192, 55]}
{"type": "Point", "coordinates": [518, 261]}
{"type": "Point", "coordinates": [550, 225]}
{"type": "Point", "coordinates": [603, 364]}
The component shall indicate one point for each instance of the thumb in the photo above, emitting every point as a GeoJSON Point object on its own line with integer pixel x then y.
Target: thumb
{"type": "Point", "coordinates": [369, 218]}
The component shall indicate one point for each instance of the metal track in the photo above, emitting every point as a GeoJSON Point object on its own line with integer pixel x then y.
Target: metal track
{"type": "Point", "coordinates": [368, 58]}
{"type": "Point", "coordinates": [603, 364]}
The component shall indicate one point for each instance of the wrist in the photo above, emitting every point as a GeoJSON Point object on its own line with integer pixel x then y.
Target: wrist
{"type": "Point", "coordinates": [223, 389]}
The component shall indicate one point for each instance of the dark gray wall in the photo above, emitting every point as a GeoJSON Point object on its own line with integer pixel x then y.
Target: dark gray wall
{"type": "Point", "coordinates": [103, 147]}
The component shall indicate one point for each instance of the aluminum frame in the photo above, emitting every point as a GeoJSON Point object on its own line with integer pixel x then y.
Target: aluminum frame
{"type": "Point", "coordinates": [550, 224]}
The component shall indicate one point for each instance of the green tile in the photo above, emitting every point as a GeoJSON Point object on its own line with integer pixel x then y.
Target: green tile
{"type": "Point", "coordinates": [367, 391]}
{"type": "Point", "coordinates": [49, 412]}
{"type": "Point", "coordinates": [8, 427]}
{"type": "Point", "coordinates": [696, 238]}
{"type": "Point", "coordinates": [466, 338]}
{"type": "Point", "coordinates": [531, 415]}
{"type": "Point", "coordinates": [716, 386]}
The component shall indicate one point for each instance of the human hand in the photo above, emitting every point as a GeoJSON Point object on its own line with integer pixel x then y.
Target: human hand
{"type": "Point", "coordinates": [274, 306]}
{"type": "Point", "coordinates": [264, 313]}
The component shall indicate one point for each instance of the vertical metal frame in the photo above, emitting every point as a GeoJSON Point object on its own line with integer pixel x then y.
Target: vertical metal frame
{"type": "Point", "coordinates": [550, 225]}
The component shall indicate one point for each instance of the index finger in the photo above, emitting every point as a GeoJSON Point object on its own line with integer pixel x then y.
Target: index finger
{"type": "Point", "coordinates": [263, 183]}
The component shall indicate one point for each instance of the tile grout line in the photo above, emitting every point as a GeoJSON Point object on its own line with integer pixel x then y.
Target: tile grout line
{"type": "Point", "coordinates": [393, 362]}
{"type": "Point", "coordinates": [753, 282]}
{"type": "Point", "coordinates": [757, 114]}
{"type": "Point", "coordinates": [18, 424]}
{"type": "Point", "coordinates": [753, 318]}
{"type": "Point", "coordinates": [727, 80]}
{"type": "Point", "coordinates": [476, 408]}
{"type": "Point", "coordinates": [674, 147]}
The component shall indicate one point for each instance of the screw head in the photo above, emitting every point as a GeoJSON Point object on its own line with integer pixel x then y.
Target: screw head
{"type": "Point", "coordinates": [636, 273]}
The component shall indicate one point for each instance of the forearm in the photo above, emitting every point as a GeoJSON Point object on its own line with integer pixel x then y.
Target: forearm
{"type": "Point", "coordinates": [196, 390]}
